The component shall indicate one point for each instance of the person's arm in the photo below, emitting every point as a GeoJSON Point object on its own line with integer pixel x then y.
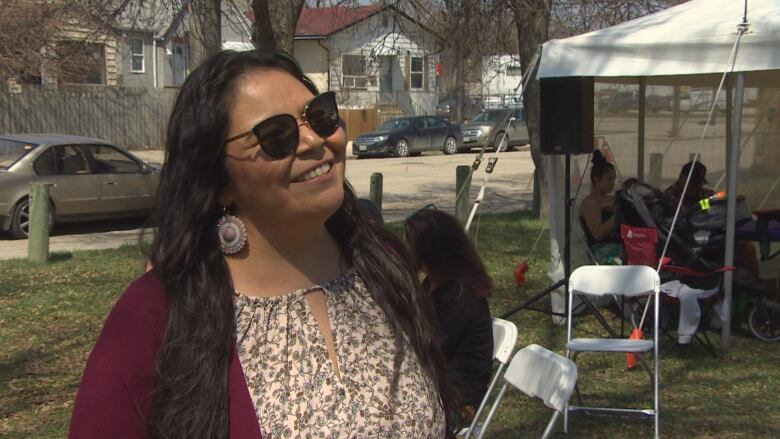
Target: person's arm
{"type": "Point", "coordinates": [113, 399]}
{"type": "Point", "coordinates": [451, 312]}
{"type": "Point", "coordinates": [591, 212]}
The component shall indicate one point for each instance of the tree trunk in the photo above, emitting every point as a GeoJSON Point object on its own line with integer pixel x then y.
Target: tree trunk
{"type": "Point", "coordinates": [532, 26]}
{"type": "Point", "coordinates": [275, 22]}
{"type": "Point", "coordinates": [207, 20]}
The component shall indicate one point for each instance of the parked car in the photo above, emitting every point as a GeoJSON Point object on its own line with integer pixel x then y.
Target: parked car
{"type": "Point", "coordinates": [482, 129]}
{"type": "Point", "coordinates": [406, 136]}
{"type": "Point", "coordinates": [629, 100]}
{"type": "Point", "coordinates": [91, 179]}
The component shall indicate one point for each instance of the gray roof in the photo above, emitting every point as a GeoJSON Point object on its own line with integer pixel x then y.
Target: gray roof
{"type": "Point", "coordinates": [55, 139]}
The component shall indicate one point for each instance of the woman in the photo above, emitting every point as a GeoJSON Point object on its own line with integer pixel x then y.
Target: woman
{"type": "Point", "coordinates": [273, 307]}
{"type": "Point", "coordinates": [459, 285]}
{"type": "Point", "coordinates": [597, 212]}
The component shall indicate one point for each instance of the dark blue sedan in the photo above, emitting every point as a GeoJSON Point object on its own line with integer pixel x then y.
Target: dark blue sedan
{"type": "Point", "coordinates": [409, 136]}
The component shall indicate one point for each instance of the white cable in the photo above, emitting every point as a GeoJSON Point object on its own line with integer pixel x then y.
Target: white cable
{"type": "Point", "coordinates": [503, 141]}
{"type": "Point", "coordinates": [732, 62]}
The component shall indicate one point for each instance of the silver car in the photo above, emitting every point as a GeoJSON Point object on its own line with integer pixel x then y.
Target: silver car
{"type": "Point", "coordinates": [91, 179]}
{"type": "Point", "coordinates": [482, 131]}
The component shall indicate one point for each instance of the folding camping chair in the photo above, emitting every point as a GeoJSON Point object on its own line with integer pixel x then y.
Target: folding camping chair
{"type": "Point", "coordinates": [618, 280]}
{"type": "Point", "coordinates": [504, 339]}
{"type": "Point", "coordinates": [639, 244]}
{"type": "Point", "coordinates": [539, 372]}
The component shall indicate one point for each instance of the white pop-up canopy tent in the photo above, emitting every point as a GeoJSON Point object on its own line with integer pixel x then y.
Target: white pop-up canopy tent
{"type": "Point", "coordinates": [678, 56]}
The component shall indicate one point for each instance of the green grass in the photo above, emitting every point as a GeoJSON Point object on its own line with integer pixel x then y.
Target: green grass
{"type": "Point", "coordinates": [50, 316]}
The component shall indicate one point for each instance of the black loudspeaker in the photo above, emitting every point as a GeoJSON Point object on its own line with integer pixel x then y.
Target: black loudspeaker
{"type": "Point", "coordinates": [566, 122]}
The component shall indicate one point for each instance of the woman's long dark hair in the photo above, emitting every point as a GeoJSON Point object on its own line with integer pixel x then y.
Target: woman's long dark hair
{"type": "Point", "coordinates": [599, 166]}
{"type": "Point", "coordinates": [191, 388]}
{"type": "Point", "coordinates": [440, 246]}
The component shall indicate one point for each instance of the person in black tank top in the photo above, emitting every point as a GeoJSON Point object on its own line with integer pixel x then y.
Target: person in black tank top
{"type": "Point", "coordinates": [597, 213]}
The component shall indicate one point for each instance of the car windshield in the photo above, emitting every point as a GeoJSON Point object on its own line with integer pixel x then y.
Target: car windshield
{"type": "Point", "coordinates": [11, 151]}
{"type": "Point", "coordinates": [394, 124]}
{"type": "Point", "coordinates": [489, 116]}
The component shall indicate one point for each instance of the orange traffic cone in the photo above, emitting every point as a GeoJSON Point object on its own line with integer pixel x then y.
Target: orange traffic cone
{"type": "Point", "coordinates": [631, 359]}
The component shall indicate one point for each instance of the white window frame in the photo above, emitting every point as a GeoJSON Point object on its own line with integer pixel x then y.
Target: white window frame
{"type": "Point", "coordinates": [413, 73]}
{"type": "Point", "coordinates": [134, 55]}
{"type": "Point", "coordinates": [354, 81]}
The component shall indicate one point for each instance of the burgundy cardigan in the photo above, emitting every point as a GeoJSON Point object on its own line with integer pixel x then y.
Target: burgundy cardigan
{"type": "Point", "coordinates": [114, 397]}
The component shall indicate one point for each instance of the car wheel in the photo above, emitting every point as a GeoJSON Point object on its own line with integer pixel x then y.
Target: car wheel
{"type": "Point", "coordinates": [450, 145]}
{"type": "Point", "coordinates": [20, 222]}
{"type": "Point", "coordinates": [402, 148]}
{"type": "Point", "coordinates": [498, 139]}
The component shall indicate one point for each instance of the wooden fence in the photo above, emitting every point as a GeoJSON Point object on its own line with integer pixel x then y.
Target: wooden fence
{"type": "Point", "coordinates": [359, 121]}
{"type": "Point", "coordinates": [131, 117]}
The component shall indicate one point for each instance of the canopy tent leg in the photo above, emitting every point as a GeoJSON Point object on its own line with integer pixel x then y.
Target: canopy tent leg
{"type": "Point", "coordinates": [732, 163]}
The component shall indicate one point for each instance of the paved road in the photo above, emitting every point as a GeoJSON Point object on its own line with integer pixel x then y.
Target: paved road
{"type": "Point", "coordinates": [409, 183]}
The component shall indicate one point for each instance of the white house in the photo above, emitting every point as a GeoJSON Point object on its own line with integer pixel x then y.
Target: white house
{"type": "Point", "coordinates": [371, 55]}
{"type": "Point", "coordinates": [501, 76]}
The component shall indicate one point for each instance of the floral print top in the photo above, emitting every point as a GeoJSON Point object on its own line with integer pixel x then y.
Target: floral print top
{"type": "Point", "coordinates": [293, 383]}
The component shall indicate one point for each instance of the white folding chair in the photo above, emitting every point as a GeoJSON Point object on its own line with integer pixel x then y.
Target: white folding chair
{"type": "Point", "coordinates": [541, 373]}
{"type": "Point", "coordinates": [504, 339]}
{"type": "Point", "coordinates": [617, 280]}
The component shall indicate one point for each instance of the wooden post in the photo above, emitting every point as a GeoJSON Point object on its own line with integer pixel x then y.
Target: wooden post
{"type": "Point", "coordinates": [462, 185]}
{"type": "Point", "coordinates": [38, 227]}
{"type": "Point", "coordinates": [656, 166]}
{"type": "Point", "coordinates": [375, 190]}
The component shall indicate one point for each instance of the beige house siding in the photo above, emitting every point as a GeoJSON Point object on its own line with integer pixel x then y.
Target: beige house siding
{"type": "Point", "coordinates": [314, 60]}
{"type": "Point", "coordinates": [74, 32]}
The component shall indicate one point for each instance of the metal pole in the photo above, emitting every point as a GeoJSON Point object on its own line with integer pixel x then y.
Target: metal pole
{"type": "Point", "coordinates": [640, 144]}
{"type": "Point", "coordinates": [732, 170]}
{"type": "Point", "coordinates": [38, 228]}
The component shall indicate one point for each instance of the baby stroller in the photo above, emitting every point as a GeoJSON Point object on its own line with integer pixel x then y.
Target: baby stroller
{"type": "Point", "coordinates": [696, 249]}
{"type": "Point", "coordinates": [764, 315]}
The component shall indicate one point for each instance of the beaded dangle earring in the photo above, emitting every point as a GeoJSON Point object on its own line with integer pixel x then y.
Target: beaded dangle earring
{"type": "Point", "coordinates": [231, 232]}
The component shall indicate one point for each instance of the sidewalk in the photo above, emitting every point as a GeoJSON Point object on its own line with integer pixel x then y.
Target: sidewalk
{"type": "Point", "coordinates": [12, 249]}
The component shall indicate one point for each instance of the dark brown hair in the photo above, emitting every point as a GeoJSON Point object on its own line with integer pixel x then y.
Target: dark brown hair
{"type": "Point", "coordinates": [599, 166]}
{"type": "Point", "coordinates": [438, 243]}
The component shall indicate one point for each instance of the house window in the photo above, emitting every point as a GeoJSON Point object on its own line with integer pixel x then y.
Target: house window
{"type": "Point", "coordinates": [353, 71]}
{"type": "Point", "coordinates": [514, 71]}
{"type": "Point", "coordinates": [137, 55]}
{"type": "Point", "coordinates": [417, 72]}
{"type": "Point", "coordinates": [81, 63]}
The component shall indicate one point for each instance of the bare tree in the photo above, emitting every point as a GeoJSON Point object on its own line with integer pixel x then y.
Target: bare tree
{"type": "Point", "coordinates": [574, 17]}
{"type": "Point", "coordinates": [31, 28]}
{"type": "Point", "coordinates": [275, 22]}
{"type": "Point", "coordinates": [206, 25]}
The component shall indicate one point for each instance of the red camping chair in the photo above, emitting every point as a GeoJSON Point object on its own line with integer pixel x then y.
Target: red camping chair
{"type": "Point", "coordinates": [639, 244]}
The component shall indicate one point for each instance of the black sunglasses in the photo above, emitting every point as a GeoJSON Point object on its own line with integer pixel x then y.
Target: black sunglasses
{"type": "Point", "coordinates": [279, 135]}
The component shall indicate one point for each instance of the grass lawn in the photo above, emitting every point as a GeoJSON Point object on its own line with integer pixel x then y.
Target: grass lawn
{"type": "Point", "coordinates": [50, 317]}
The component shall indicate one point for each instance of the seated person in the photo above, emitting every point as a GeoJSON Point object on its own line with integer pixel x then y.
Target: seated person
{"type": "Point", "coordinates": [597, 213]}
{"type": "Point", "coordinates": [459, 285]}
{"type": "Point", "coordinates": [696, 190]}
{"type": "Point", "coordinates": [744, 251]}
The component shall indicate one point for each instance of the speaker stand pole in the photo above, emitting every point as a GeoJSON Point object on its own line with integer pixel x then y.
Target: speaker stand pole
{"type": "Point", "coordinates": [567, 228]}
